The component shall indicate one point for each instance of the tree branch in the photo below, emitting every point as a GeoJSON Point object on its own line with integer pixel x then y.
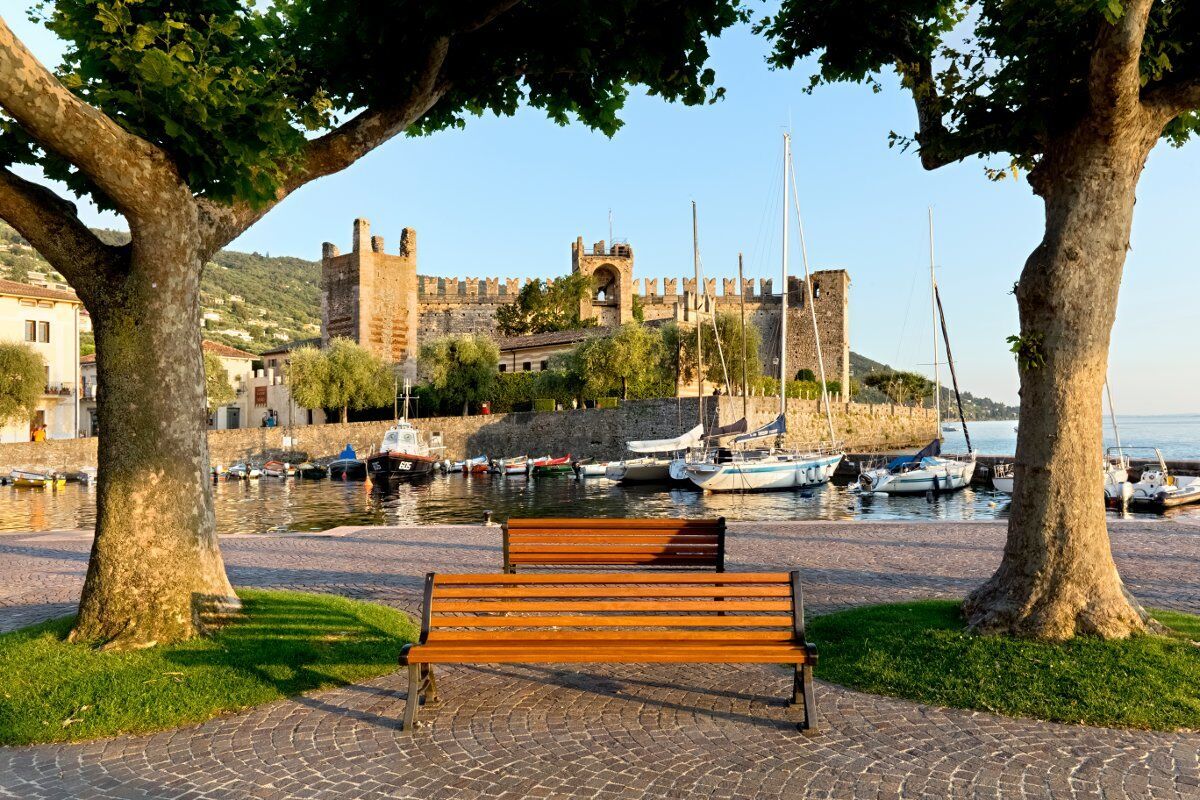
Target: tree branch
{"type": "Point", "coordinates": [50, 224]}
{"type": "Point", "coordinates": [335, 151]}
{"type": "Point", "coordinates": [134, 173]}
{"type": "Point", "coordinates": [1168, 100]}
{"type": "Point", "coordinates": [1114, 74]}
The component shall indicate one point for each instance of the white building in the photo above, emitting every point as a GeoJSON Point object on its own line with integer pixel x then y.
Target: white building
{"type": "Point", "coordinates": [237, 364]}
{"type": "Point", "coordinates": [48, 321]}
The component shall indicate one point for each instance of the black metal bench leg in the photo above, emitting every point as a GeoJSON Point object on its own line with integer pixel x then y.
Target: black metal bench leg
{"type": "Point", "coordinates": [414, 698]}
{"type": "Point", "coordinates": [802, 694]}
{"type": "Point", "coordinates": [429, 686]}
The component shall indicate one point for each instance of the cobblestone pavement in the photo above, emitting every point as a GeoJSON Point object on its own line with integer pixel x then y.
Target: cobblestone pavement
{"type": "Point", "coordinates": [613, 731]}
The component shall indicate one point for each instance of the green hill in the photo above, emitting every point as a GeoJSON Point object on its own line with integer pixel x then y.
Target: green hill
{"type": "Point", "coordinates": [250, 301]}
{"type": "Point", "coordinates": [974, 408]}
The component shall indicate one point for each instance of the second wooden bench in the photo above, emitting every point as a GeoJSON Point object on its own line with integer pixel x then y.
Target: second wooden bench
{"type": "Point", "coordinates": [575, 543]}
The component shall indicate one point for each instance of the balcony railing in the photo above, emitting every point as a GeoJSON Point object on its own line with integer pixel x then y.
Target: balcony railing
{"type": "Point", "coordinates": [58, 390]}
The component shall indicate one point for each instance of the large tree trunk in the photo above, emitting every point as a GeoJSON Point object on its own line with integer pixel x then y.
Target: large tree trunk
{"type": "Point", "coordinates": [1057, 578]}
{"type": "Point", "coordinates": [156, 573]}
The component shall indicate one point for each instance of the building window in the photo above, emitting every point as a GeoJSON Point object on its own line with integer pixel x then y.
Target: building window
{"type": "Point", "coordinates": [30, 331]}
{"type": "Point", "coordinates": [504, 367]}
{"type": "Point", "coordinates": [545, 365]}
{"type": "Point", "coordinates": [260, 395]}
{"type": "Point", "coordinates": [43, 331]}
{"type": "Point", "coordinates": [527, 366]}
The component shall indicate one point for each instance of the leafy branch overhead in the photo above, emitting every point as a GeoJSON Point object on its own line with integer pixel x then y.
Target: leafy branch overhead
{"type": "Point", "coordinates": [994, 78]}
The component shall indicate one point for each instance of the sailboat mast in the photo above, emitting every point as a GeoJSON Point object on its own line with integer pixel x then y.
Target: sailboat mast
{"type": "Point", "coordinates": [1112, 413]}
{"type": "Point", "coordinates": [783, 291]}
{"type": "Point", "coordinates": [937, 298]}
{"type": "Point", "coordinates": [937, 383]}
{"type": "Point", "coordinates": [699, 353]}
{"type": "Point", "coordinates": [742, 296]}
{"type": "Point", "coordinates": [812, 308]}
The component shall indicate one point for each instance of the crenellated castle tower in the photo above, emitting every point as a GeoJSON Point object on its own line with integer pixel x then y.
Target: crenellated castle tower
{"type": "Point", "coordinates": [379, 300]}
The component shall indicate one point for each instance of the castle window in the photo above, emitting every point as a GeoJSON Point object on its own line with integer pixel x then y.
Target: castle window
{"type": "Point", "coordinates": [816, 290]}
{"type": "Point", "coordinates": [545, 365]}
{"type": "Point", "coordinates": [504, 367]}
{"type": "Point", "coordinates": [527, 366]}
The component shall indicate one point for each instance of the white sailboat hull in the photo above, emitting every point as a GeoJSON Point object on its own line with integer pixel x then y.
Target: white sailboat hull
{"type": "Point", "coordinates": [944, 476]}
{"type": "Point", "coordinates": [769, 474]}
{"type": "Point", "coordinates": [1003, 484]}
{"type": "Point", "coordinates": [640, 470]}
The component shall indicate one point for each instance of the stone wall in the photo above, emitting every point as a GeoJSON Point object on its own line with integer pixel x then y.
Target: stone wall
{"type": "Point", "coordinates": [599, 433]}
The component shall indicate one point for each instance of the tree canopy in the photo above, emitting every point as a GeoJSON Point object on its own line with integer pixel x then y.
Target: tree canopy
{"type": "Point", "coordinates": [546, 306]}
{"type": "Point", "coordinates": [729, 334]}
{"type": "Point", "coordinates": [461, 369]}
{"type": "Point", "coordinates": [633, 362]}
{"type": "Point", "coordinates": [345, 376]}
{"type": "Point", "coordinates": [900, 387]}
{"type": "Point", "coordinates": [217, 388]}
{"type": "Point", "coordinates": [1000, 78]}
{"type": "Point", "coordinates": [22, 381]}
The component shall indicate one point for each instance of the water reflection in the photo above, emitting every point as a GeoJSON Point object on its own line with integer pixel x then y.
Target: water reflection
{"type": "Point", "coordinates": [274, 505]}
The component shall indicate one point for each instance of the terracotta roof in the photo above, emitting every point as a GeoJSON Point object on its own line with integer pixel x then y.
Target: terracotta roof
{"type": "Point", "coordinates": [290, 346]}
{"type": "Point", "coordinates": [225, 351]}
{"type": "Point", "coordinates": [90, 358]}
{"type": "Point", "coordinates": [552, 338]}
{"type": "Point", "coordinates": [14, 289]}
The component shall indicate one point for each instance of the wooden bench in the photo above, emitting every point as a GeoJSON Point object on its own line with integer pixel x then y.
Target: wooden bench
{"type": "Point", "coordinates": [581, 543]}
{"type": "Point", "coordinates": [579, 618]}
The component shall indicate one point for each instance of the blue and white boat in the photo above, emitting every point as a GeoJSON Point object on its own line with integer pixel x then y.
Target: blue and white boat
{"type": "Point", "coordinates": [724, 469]}
{"type": "Point", "coordinates": [924, 471]}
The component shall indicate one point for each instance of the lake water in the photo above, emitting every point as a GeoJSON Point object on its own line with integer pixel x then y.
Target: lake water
{"type": "Point", "coordinates": [1176, 435]}
{"type": "Point", "coordinates": [269, 505]}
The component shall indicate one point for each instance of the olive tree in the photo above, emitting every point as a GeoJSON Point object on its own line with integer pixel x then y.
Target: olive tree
{"type": "Point", "coordinates": [194, 119]}
{"type": "Point", "coordinates": [462, 368]}
{"type": "Point", "coordinates": [344, 376]}
{"type": "Point", "coordinates": [217, 389]}
{"type": "Point", "coordinates": [1073, 96]}
{"type": "Point", "coordinates": [22, 381]}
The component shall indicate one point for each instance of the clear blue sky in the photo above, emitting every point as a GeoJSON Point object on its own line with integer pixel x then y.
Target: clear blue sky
{"type": "Point", "coordinates": [506, 197]}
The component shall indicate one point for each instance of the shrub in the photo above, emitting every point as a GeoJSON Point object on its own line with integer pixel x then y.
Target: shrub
{"type": "Point", "coordinates": [543, 404]}
{"type": "Point", "coordinates": [606, 402]}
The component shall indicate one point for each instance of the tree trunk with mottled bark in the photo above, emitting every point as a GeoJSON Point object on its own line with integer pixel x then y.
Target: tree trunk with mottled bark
{"type": "Point", "coordinates": [1057, 578]}
{"type": "Point", "coordinates": [156, 573]}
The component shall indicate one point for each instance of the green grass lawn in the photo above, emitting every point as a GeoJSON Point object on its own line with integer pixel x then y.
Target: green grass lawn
{"type": "Point", "coordinates": [922, 652]}
{"type": "Point", "coordinates": [284, 644]}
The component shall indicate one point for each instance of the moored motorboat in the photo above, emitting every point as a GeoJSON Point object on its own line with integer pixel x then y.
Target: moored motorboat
{"type": "Point", "coordinates": [310, 471]}
{"type": "Point", "coordinates": [589, 468]}
{"type": "Point", "coordinates": [403, 454]}
{"type": "Point", "coordinates": [348, 466]}
{"type": "Point", "coordinates": [28, 479]}
{"type": "Point", "coordinates": [1155, 490]}
{"type": "Point", "coordinates": [639, 470]}
{"type": "Point", "coordinates": [514, 466]}
{"type": "Point", "coordinates": [277, 469]}
{"type": "Point", "coordinates": [553, 466]}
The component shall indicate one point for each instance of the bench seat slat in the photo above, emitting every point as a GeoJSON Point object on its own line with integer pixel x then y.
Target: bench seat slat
{"type": "Point", "coordinates": [609, 539]}
{"type": "Point", "coordinates": [489, 578]}
{"type": "Point", "coordinates": [742, 590]}
{"type": "Point", "coordinates": [443, 635]}
{"type": "Point", "coordinates": [647, 621]}
{"type": "Point", "coordinates": [593, 654]}
{"type": "Point", "coordinates": [553, 606]}
{"type": "Point", "coordinates": [654, 548]}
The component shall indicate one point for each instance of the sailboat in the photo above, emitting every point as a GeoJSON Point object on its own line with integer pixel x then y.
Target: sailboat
{"type": "Point", "coordinates": [774, 468]}
{"type": "Point", "coordinates": [928, 470]}
{"type": "Point", "coordinates": [652, 466]}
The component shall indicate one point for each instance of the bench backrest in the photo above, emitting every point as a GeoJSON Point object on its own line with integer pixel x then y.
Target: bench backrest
{"type": "Point", "coordinates": [655, 606]}
{"type": "Point", "coordinates": [581, 543]}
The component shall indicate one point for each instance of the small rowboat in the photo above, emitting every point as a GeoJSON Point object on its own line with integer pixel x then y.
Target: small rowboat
{"type": "Point", "coordinates": [478, 468]}
{"type": "Point", "coordinates": [277, 469]}
{"type": "Point", "coordinates": [553, 466]}
{"type": "Point", "coordinates": [589, 469]}
{"type": "Point", "coordinates": [467, 463]}
{"type": "Point", "coordinates": [311, 471]}
{"type": "Point", "coordinates": [514, 466]}
{"type": "Point", "coordinates": [37, 480]}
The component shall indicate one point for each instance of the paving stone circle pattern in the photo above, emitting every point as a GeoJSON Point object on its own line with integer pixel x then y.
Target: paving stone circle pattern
{"type": "Point", "coordinates": [613, 731]}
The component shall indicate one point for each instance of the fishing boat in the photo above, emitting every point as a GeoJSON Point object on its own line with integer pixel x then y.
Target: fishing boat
{"type": "Point", "coordinates": [278, 469]}
{"type": "Point", "coordinates": [348, 466]}
{"type": "Point", "coordinates": [242, 472]}
{"type": "Point", "coordinates": [513, 466]}
{"type": "Point", "coordinates": [467, 464]}
{"type": "Point", "coordinates": [480, 468]}
{"type": "Point", "coordinates": [27, 479]}
{"type": "Point", "coordinates": [311, 472]}
{"type": "Point", "coordinates": [554, 466]}
{"type": "Point", "coordinates": [927, 470]}
{"type": "Point", "coordinates": [1156, 489]}
{"type": "Point", "coordinates": [755, 469]}
{"type": "Point", "coordinates": [403, 454]}
{"type": "Point", "coordinates": [589, 468]}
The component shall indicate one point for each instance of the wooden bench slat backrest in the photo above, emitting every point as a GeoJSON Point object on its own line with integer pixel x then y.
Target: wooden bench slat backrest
{"type": "Point", "coordinates": [678, 543]}
{"type": "Point", "coordinates": [504, 608]}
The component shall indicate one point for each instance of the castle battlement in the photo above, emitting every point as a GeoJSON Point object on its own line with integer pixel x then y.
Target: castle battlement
{"type": "Point", "coordinates": [378, 299]}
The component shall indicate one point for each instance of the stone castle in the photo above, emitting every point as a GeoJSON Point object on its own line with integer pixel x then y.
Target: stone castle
{"type": "Point", "coordinates": [378, 300]}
